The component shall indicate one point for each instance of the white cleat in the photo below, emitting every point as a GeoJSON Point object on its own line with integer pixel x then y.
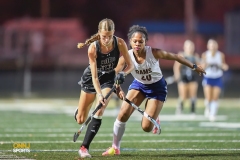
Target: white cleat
{"type": "Point", "coordinates": [83, 153]}
{"type": "Point", "coordinates": [212, 118]}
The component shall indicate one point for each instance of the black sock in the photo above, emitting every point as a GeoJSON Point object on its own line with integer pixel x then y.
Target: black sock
{"type": "Point", "coordinates": [180, 105]}
{"type": "Point", "coordinates": [92, 130]}
{"type": "Point", "coordinates": [193, 104]}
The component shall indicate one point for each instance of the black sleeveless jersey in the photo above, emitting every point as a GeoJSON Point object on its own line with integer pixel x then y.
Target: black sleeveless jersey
{"type": "Point", "coordinates": [105, 64]}
{"type": "Point", "coordinates": [187, 74]}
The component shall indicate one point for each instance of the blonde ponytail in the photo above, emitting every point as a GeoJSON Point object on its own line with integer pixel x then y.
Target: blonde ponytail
{"type": "Point", "coordinates": [93, 38]}
{"type": "Point", "coordinates": [106, 25]}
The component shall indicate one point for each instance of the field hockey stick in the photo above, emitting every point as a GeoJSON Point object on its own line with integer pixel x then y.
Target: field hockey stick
{"type": "Point", "coordinates": [144, 114]}
{"type": "Point", "coordinates": [76, 135]}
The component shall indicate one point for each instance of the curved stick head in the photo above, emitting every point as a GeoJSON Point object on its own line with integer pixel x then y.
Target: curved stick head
{"type": "Point", "coordinates": [159, 129]}
{"type": "Point", "coordinates": [75, 137]}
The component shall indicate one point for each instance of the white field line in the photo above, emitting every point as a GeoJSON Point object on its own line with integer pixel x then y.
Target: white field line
{"type": "Point", "coordinates": [183, 117]}
{"type": "Point", "coordinates": [138, 149]}
{"type": "Point", "coordinates": [220, 124]}
{"type": "Point", "coordinates": [135, 116]}
{"type": "Point", "coordinates": [10, 156]}
{"type": "Point", "coordinates": [131, 135]}
{"type": "Point", "coordinates": [131, 141]}
{"type": "Point", "coordinates": [135, 129]}
{"type": "Point", "coordinates": [59, 107]}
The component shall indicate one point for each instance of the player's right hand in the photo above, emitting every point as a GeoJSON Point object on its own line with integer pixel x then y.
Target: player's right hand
{"type": "Point", "coordinates": [119, 92]}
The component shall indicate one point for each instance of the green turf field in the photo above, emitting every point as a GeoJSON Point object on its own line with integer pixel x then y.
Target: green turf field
{"type": "Point", "coordinates": [47, 125]}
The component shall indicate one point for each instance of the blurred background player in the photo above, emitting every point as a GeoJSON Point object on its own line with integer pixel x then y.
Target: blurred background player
{"type": "Point", "coordinates": [214, 62]}
{"type": "Point", "coordinates": [98, 78]}
{"type": "Point", "coordinates": [186, 78]}
{"type": "Point", "coordinates": [148, 83]}
{"type": "Point", "coordinates": [117, 103]}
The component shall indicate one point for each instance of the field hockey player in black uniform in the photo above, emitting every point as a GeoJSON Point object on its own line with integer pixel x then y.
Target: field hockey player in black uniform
{"type": "Point", "coordinates": [98, 78]}
{"type": "Point", "coordinates": [186, 78]}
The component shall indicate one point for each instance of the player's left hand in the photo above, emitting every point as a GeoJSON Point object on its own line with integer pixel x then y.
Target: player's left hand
{"type": "Point", "coordinates": [101, 99]}
{"type": "Point", "coordinates": [200, 70]}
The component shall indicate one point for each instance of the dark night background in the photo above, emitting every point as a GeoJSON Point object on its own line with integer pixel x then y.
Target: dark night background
{"type": "Point", "coordinates": [38, 38]}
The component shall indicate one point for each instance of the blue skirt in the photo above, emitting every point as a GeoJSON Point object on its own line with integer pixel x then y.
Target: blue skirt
{"type": "Point", "coordinates": [214, 82]}
{"type": "Point", "coordinates": [157, 90]}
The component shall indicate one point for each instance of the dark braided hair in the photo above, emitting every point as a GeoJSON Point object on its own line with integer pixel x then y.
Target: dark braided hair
{"type": "Point", "coordinates": [137, 28]}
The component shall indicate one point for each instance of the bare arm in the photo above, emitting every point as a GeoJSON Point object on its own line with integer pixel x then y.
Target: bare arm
{"type": "Point", "coordinates": [176, 69]}
{"type": "Point", "coordinates": [123, 49]}
{"type": "Point", "coordinates": [93, 65]}
{"type": "Point", "coordinates": [224, 65]}
{"type": "Point", "coordinates": [203, 61]}
{"type": "Point", "coordinates": [197, 58]}
{"type": "Point", "coordinates": [121, 64]}
{"type": "Point", "coordinates": [160, 54]}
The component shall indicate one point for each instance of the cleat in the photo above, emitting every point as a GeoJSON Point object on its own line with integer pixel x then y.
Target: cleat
{"type": "Point", "coordinates": [157, 129]}
{"type": "Point", "coordinates": [83, 153]}
{"type": "Point", "coordinates": [212, 118]}
{"type": "Point", "coordinates": [117, 152]}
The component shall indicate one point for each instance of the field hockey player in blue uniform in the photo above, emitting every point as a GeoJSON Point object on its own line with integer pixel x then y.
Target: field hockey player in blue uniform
{"type": "Point", "coordinates": [214, 62]}
{"type": "Point", "coordinates": [148, 83]}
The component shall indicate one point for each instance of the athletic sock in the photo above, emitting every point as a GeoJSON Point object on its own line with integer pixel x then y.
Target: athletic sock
{"type": "Point", "coordinates": [193, 105]}
{"type": "Point", "coordinates": [213, 108]}
{"type": "Point", "coordinates": [207, 108]}
{"type": "Point", "coordinates": [118, 131]}
{"type": "Point", "coordinates": [207, 104]}
{"type": "Point", "coordinates": [92, 130]}
{"type": "Point", "coordinates": [181, 104]}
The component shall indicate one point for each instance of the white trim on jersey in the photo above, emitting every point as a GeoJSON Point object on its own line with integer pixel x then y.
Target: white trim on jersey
{"type": "Point", "coordinates": [149, 71]}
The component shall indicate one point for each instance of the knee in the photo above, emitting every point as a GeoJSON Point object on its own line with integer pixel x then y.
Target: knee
{"type": "Point", "coordinates": [80, 119]}
{"type": "Point", "coordinates": [123, 117]}
{"type": "Point", "coordinates": [147, 128]}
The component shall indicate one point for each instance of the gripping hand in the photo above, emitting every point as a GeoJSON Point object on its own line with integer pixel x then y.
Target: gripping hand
{"type": "Point", "coordinates": [119, 79]}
